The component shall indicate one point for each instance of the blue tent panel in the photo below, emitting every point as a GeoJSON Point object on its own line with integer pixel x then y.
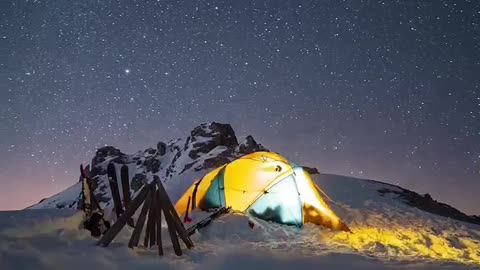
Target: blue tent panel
{"type": "Point", "coordinates": [280, 203]}
{"type": "Point", "coordinates": [215, 195]}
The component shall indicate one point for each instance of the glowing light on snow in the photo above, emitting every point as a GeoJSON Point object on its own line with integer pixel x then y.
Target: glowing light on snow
{"type": "Point", "coordinates": [309, 198]}
{"type": "Point", "coordinates": [410, 243]}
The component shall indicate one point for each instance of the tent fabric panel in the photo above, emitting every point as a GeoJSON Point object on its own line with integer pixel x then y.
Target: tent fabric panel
{"type": "Point", "coordinates": [247, 179]}
{"type": "Point", "coordinates": [181, 205]}
{"type": "Point", "coordinates": [269, 186]}
{"type": "Point", "coordinates": [215, 195]}
{"type": "Point", "coordinates": [265, 157]}
{"type": "Point", "coordinates": [280, 203]}
{"type": "Point", "coordinates": [249, 175]}
{"type": "Point", "coordinates": [315, 210]}
{"type": "Point", "coordinates": [240, 200]}
{"type": "Point", "coordinates": [205, 182]}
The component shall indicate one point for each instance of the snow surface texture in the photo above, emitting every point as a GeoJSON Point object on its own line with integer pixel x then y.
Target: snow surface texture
{"type": "Point", "coordinates": [388, 233]}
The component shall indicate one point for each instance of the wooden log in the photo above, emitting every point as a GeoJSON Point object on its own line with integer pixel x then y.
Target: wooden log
{"type": "Point", "coordinates": [113, 182]}
{"type": "Point", "coordinates": [147, 235]}
{"type": "Point", "coordinates": [182, 232]}
{"type": "Point", "coordinates": [94, 205]}
{"type": "Point", "coordinates": [129, 212]}
{"type": "Point", "coordinates": [86, 171]}
{"type": "Point", "coordinates": [140, 221]}
{"type": "Point", "coordinates": [158, 208]}
{"type": "Point", "coordinates": [153, 218]}
{"type": "Point", "coordinates": [126, 190]}
{"type": "Point", "coordinates": [150, 230]}
{"type": "Point", "coordinates": [125, 185]}
{"type": "Point", "coordinates": [168, 207]}
{"type": "Point", "coordinates": [186, 212]}
{"type": "Point", "coordinates": [173, 232]}
{"type": "Point", "coordinates": [147, 229]}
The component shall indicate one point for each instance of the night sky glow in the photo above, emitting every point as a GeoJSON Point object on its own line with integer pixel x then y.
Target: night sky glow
{"type": "Point", "coordinates": [387, 90]}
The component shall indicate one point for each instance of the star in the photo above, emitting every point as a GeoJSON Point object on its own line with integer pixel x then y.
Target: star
{"type": "Point", "coordinates": [319, 80]}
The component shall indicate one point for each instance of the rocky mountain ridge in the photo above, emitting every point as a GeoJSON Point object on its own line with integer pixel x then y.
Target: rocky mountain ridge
{"type": "Point", "coordinates": [208, 145]}
{"type": "Point", "coordinates": [180, 161]}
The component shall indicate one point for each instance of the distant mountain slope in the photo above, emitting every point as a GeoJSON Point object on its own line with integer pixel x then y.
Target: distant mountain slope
{"type": "Point", "coordinates": [178, 163]}
{"type": "Point", "coordinates": [387, 233]}
{"type": "Point", "coordinates": [361, 191]}
{"type": "Point", "coordinates": [391, 222]}
{"type": "Point", "coordinates": [181, 161]}
{"type": "Point", "coordinates": [393, 228]}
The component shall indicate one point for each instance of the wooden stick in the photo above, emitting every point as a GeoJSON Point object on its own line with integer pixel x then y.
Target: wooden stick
{"type": "Point", "coordinates": [113, 182]}
{"type": "Point", "coordinates": [188, 206]}
{"type": "Point", "coordinates": [182, 232]}
{"type": "Point", "coordinates": [126, 190]}
{"type": "Point", "coordinates": [130, 211]}
{"type": "Point", "coordinates": [173, 233]}
{"type": "Point", "coordinates": [147, 234]}
{"type": "Point", "coordinates": [141, 221]}
{"type": "Point", "coordinates": [147, 229]}
{"type": "Point", "coordinates": [158, 208]}
{"type": "Point", "coordinates": [125, 185]}
{"type": "Point", "coordinates": [168, 207]}
{"type": "Point", "coordinates": [153, 218]}
{"type": "Point", "coordinates": [150, 231]}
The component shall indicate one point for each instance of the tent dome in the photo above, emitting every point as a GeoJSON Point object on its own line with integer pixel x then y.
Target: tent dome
{"type": "Point", "coordinates": [264, 185]}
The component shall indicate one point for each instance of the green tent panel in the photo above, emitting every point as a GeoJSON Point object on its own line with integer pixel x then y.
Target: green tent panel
{"type": "Point", "coordinates": [215, 195]}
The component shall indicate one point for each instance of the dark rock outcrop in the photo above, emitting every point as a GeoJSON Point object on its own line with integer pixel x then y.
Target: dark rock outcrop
{"type": "Point", "coordinates": [427, 204]}
{"type": "Point", "coordinates": [151, 151]}
{"type": "Point", "coordinates": [152, 164]}
{"type": "Point", "coordinates": [138, 181]}
{"type": "Point", "coordinates": [114, 155]}
{"type": "Point", "coordinates": [310, 170]}
{"type": "Point", "coordinates": [162, 148]}
{"type": "Point", "coordinates": [206, 137]}
{"type": "Point", "coordinates": [208, 146]}
{"type": "Point", "coordinates": [250, 146]}
{"type": "Point", "coordinates": [215, 162]}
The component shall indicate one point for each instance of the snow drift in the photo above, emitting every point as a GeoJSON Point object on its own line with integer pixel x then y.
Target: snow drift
{"type": "Point", "coordinates": [393, 228]}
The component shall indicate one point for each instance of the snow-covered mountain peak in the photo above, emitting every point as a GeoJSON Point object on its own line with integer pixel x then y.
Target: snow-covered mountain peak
{"type": "Point", "coordinates": [207, 146]}
{"type": "Point", "coordinates": [390, 224]}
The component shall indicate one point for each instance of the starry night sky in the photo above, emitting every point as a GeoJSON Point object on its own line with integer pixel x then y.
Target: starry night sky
{"type": "Point", "coordinates": [388, 90]}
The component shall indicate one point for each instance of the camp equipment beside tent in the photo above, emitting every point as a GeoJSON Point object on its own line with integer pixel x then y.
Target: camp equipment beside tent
{"type": "Point", "coordinates": [155, 200]}
{"type": "Point", "coordinates": [266, 186]}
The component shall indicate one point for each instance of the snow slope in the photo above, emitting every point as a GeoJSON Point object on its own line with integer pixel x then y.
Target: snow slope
{"type": "Point", "coordinates": [387, 234]}
{"type": "Point", "coordinates": [386, 226]}
{"type": "Point", "coordinates": [393, 228]}
{"type": "Point", "coordinates": [206, 147]}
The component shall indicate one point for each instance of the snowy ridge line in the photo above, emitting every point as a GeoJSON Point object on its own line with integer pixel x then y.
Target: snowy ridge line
{"type": "Point", "coordinates": [207, 146]}
{"type": "Point", "coordinates": [391, 228]}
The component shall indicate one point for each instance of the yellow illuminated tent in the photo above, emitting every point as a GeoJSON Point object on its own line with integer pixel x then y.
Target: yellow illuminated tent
{"type": "Point", "coordinates": [265, 185]}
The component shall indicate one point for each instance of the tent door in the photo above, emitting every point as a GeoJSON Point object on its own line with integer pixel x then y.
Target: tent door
{"type": "Point", "coordinates": [280, 203]}
{"type": "Point", "coordinates": [215, 195]}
